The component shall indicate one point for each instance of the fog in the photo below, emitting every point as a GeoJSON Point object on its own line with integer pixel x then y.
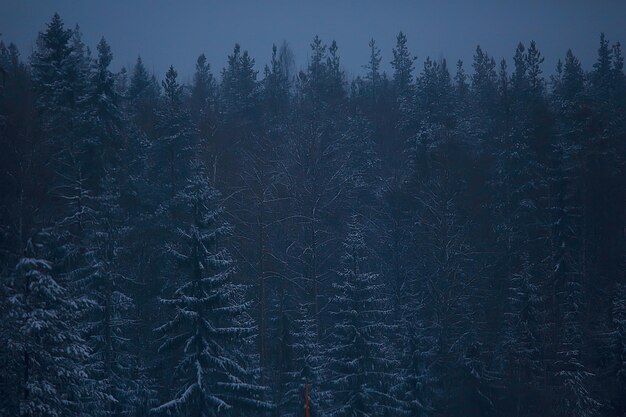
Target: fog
{"type": "Point", "coordinates": [168, 32]}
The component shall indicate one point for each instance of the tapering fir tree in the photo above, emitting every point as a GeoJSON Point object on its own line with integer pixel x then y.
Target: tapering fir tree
{"type": "Point", "coordinates": [358, 360]}
{"type": "Point", "coordinates": [306, 374]}
{"type": "Point", "coordinates": [207, 325]}
{"type": "Point", "coordinates": [46, 345]}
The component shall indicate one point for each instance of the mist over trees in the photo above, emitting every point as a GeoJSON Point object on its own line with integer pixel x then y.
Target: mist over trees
{"type": "Point", "coordinates": [443, 240]}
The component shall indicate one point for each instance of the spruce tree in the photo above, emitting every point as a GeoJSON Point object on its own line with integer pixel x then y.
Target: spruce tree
{"type": "Point", "coordinates": [373, 75]}
{"type": "Point", "coordinates": [307, 370]}
{"type": "Point", "coordinates": [172, 150]}
{"type": "Point", "coordinates": [203, 89]}
{"type": "Point", "coordinates": [403, 65]}
{"type": "Point", "coordinates": [207, 327]}
{"type": "Point", "coordinates": [358, 363]}
{"type": "Point", "coordinates": [239, 88]}
{"type": "Point", "coordinates": [45, 343]}
{"type": "Point", "coordinates": [572, 377]}
{"type": "Point", "coordinates": [143, 97]}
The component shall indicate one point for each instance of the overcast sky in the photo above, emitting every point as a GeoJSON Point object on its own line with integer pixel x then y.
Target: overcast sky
{"type": "Point", "coordinates": [176, 32]}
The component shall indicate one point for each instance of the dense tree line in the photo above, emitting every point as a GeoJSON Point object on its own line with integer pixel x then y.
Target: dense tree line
{"type": "Point", "coordinates": [432, 242]}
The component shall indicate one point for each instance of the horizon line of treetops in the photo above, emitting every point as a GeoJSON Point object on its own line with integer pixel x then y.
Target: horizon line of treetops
{"type": "Point", "coordinates": [287, 57]}
{"type": "Point", "coordinates": [423, 243]}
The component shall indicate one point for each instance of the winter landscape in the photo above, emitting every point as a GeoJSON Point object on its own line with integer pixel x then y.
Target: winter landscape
{"type": "Point", "coordinates": [408, 236]}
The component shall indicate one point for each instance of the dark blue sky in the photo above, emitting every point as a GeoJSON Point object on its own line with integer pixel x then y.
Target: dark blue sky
{"type": "Point", "coordinates": [176, 32]}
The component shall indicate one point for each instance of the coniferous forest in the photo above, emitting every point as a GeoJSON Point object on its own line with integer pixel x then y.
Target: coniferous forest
{"type": "Point", "coordinates": [446, 239]}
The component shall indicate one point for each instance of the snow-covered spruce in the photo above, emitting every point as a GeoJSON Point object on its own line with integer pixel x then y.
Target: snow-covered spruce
{"type": "Point", "coordinates": [307, 367]}
{"type": "Point", "coordinates": [45, 346]}
{"type": "Point", "coordinates": [208, 324]}
{"type": "Point", "coordinates": [359, 369]}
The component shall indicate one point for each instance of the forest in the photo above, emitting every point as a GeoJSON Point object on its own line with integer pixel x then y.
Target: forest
{"type": "Point", "coordinates": [440, 240]}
